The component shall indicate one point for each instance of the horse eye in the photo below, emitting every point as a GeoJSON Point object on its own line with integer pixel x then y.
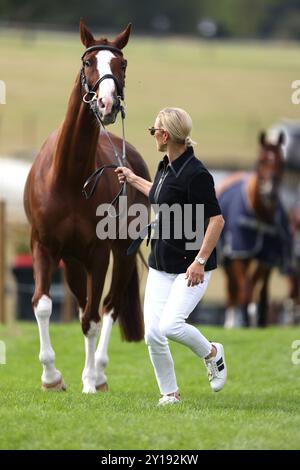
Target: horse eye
{"type": "Point", "coordinates": [124, 65]}
{"type": "Point", "coordinates": [87, 63]}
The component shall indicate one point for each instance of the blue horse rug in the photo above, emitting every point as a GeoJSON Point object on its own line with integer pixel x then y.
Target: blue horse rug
{"type": "Point", "coordinates": [244, 236]}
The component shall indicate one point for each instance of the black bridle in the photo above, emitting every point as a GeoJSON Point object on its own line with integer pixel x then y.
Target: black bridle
{"type": "Point", "coordinates": [93, 90]}
{"type": "Point", "coordinates": [90, 98]}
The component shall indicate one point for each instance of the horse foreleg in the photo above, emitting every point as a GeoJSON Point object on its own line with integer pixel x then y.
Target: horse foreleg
{"type": "Point", "coordinates": [44, 265]}
{"type": "Point", "coordinates": [102, 352]}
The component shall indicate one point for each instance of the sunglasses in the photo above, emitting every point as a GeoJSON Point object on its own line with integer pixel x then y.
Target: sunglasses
{"type": "Point", "coordinates": [153, 129]}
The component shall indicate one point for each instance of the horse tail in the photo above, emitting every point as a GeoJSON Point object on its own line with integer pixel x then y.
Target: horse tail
{"type": "Point", "coordinates": [124, 294]}
{"type": "Point", "coordinates": [131, 317]}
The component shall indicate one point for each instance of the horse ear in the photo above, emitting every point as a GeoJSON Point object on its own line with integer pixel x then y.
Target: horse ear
{"type": "Point", "coordinates": [86, 37]}
{"type": "Point", "coordinates": [122, 39]}
{"type": "Point", "coordinates": [262, 138]}
{"type": "Point", "coordinates": [281, 138]}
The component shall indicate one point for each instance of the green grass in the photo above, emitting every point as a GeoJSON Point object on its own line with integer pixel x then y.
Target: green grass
{"type": "Point", "coordinates": [258, 409]}
{"type": "Point", "coordinates": [232, 90]}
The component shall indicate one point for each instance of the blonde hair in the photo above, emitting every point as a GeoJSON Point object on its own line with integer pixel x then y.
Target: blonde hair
{"type": "Point", "coordinates": [178, 123]}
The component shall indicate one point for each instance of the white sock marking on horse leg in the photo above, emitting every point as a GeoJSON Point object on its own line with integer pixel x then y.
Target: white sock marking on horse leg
{"type": "Point", "coordinates": [102, 350]}
{"type": "Point", "coordinates": [230, 320]}
{"type": "Point", "coordinates": [80, 314]}
{"type": "Point", "coordinates": [233, 317]}
{"type": "Point", "coordinates": [89, 371]}
{"type": "Point", "coordinates": [252, 314]}
{"type": "Point", "coordinates": [42, 313]}
{"type": "Point", "coordinates": [229, 317]}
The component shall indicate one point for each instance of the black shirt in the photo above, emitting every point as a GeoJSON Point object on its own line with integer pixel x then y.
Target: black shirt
{"type": "Point", "coordinates": [184, 181]}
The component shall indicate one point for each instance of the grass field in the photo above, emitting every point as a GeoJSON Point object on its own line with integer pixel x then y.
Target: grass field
{"type": "Point", "coordinates": [258, 409]}
{"type": "Point", "coordinates": [232, 90]}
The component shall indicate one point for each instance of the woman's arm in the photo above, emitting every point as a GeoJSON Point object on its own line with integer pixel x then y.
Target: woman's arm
{"type": "Point", "coordinates": [195, 272]}
{"type": "Point", "coordinates": [212, 235]}
{"type": "Point", "coordinates": [202, 191]}
{"type": "Point", "coordinates": [137, 182]}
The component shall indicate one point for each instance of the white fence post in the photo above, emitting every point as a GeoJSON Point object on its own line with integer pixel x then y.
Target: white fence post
{"type": "Point", "coordinates": [2, 261]}
{"type": "Point", "coordinates": [2, 92]}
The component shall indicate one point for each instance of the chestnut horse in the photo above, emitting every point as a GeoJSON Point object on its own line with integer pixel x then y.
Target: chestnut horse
{"type": "Point", "coordinates": [64, 223]}
{"type": "Point", "coordinates": [256, 228]}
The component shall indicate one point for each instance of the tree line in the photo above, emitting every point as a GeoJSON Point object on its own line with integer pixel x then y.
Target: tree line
{"type": "Point", "coordinates": [211, 18]}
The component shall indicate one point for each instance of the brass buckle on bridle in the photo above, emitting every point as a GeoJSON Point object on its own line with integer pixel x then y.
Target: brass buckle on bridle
{"type": "Point", "coordinates": [93, 96]}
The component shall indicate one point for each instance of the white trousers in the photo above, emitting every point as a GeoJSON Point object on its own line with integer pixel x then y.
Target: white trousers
{"type": "Point", "coordinates": [168, 303]}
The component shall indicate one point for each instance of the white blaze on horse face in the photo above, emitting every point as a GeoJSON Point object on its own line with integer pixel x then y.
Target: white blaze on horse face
{"type": "Point", "coordinates": [107, 88]}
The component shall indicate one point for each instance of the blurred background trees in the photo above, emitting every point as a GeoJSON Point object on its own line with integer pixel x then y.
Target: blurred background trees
{"type": "Point", "coordinates": [208, 18]}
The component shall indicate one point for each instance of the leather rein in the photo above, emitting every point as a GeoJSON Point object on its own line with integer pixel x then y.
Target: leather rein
{"type": "Point", "coordinates": [90, 98]}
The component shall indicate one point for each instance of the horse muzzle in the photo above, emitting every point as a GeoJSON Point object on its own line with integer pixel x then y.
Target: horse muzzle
{"type": "Point", "coordinates": [108, 114]}
{"type": "Point", "coordinates": [269, 198]}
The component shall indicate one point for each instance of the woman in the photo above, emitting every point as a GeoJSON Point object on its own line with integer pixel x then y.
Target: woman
{"type": "Point", "coordinates": [178, 277]}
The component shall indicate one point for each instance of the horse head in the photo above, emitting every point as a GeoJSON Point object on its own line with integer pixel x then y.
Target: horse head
{"type": "Point", "coordinates": [269, 169]}
{"type": "Point", "coordinates": [103, 72]}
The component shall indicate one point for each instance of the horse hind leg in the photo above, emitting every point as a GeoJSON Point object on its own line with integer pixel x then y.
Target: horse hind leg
{"type": "Point", "coordinates": [124, 294]}
{"type": "Point", "coordinates": [102, 351]}
{"type": "Point", "coordinates": [90, 322]}
{"type": "Point", "coordinates": [89, 371]}
{"type": "Point", "coordinates": [123, 302]}
{"type": "Point", "coordinates": [76, 278]}
{"type": "Point", "coordinates": [44, 266]}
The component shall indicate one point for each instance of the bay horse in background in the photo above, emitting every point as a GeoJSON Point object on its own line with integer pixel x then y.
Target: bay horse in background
{"type": "Point", "coordinates": [256, 228]}
{"type": "Point", "coordinates": [64, 223]}
{"type": "Point", "coordinates": [292, 303]}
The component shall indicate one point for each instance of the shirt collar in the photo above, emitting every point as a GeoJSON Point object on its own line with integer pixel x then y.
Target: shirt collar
{"type": "Point", "coordinates": [179, 163]}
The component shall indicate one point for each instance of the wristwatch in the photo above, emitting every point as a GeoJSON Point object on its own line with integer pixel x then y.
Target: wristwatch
{"type": "Point", "coordinates": [201, 261]}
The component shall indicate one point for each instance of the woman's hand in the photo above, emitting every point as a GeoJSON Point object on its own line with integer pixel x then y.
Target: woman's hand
{"type": "Point", "coordinates": [194, 274]}
{"type": "Point", "coordinates": [125, 173]}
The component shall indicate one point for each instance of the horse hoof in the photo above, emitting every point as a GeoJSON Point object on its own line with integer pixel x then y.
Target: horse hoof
{"type": "Point", "coordinates": [59, 386]}
{"type": "Point", "coordinates": [102, 387]}
{"type": "Point", "coordinates": [88, 389]}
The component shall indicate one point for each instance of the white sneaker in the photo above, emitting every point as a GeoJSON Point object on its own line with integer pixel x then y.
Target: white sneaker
{"type": "Point", "coordinates": [216, 368]}
{"type": "Point", "coordinates": [168, 400]}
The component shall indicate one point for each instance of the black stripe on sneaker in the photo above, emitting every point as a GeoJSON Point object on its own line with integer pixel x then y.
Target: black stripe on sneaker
{"type": "Point", "coordinates": [221, 367]}
{"type": "Point", "coordinates": [219, 362]}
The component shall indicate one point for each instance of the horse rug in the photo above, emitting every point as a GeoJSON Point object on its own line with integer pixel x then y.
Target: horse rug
{"type": "Point", "coordinates": [245, 236]}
